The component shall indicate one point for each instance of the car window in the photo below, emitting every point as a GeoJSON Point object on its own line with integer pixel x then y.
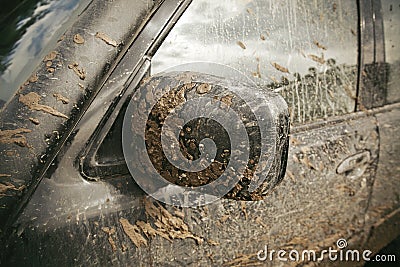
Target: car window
{"type": "Point", "coordinates": [391, 26]}
{"type": "Point", "coordinates": [306, 50]}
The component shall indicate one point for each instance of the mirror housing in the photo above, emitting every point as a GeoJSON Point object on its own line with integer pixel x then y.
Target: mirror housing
{"type": "Point", "coordinates": [190, 138]}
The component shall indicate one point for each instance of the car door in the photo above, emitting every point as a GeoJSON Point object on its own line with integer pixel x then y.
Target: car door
{"type": "Point", "coordinates": [326, 59]}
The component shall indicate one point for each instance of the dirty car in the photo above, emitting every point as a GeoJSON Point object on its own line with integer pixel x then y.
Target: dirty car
{"type": "Point", "coordinates": [307, 90]}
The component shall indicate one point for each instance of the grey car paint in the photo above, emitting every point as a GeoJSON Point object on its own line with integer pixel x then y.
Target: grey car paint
{"type": "Point", "coordinates": [342, 182]}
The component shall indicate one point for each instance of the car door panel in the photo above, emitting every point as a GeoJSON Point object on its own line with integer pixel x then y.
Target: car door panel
{"type": "Point", "coordinates": [313, 195]}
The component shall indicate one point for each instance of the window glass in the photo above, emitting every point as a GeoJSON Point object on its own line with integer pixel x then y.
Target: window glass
{"type": "Point", "coordinates": [305, 50]}
{"type": "Point", "coordinates": [28, 30]}
{"type": "Point", "coordinates": [391, 26]}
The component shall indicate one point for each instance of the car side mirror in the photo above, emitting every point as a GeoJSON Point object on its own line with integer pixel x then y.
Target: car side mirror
{"type": "Point", "coordinates": [190, 138]}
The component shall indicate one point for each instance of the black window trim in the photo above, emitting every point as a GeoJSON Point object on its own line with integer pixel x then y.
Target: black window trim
{"type": "Point", "coordinates": [373, 68]}
{"type": "Point", "coordinates": [154, 30]}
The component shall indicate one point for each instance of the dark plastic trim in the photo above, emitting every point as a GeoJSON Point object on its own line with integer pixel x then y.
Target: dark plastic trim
{"type": "Point", "coordinates": [373, 69]}
{"type": "Point", "coordinates": [142, 49]}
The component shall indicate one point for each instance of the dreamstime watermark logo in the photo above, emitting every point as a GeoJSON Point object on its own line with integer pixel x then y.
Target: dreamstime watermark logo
{"type": "Point", "coordinates": [189, 143]}
{"type": "Point", "coordinates": [340, 253]}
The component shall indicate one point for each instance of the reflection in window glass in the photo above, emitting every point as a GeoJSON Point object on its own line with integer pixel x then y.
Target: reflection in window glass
{"type": "Point", "coordinates": [28, 30]}
{"type": "Point", "coordinates": [306, 50]}
{"type": "Point", "coordinates": [391, 25]}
